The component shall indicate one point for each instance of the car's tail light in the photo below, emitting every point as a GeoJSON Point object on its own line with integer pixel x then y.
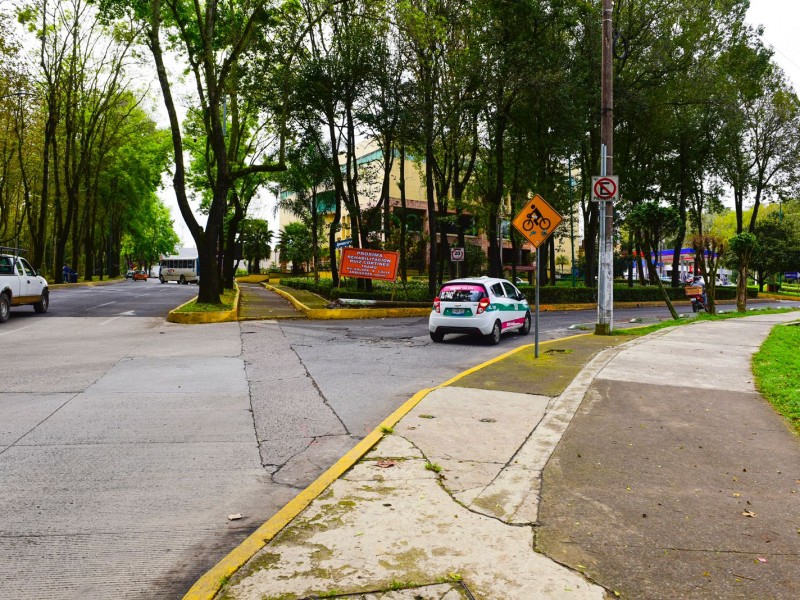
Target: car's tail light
{"type": "Point", "coordinates": [483, 305]}
{"type": "Point", "coordinates": [437, 305]}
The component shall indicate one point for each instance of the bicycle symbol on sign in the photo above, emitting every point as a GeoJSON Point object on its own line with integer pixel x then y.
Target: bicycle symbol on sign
{"type": "Point", "coordinates": [535, 219]}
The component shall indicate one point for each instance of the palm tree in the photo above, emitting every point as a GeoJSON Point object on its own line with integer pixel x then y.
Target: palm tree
{"type": "Point", "coordinates": [256, 238]}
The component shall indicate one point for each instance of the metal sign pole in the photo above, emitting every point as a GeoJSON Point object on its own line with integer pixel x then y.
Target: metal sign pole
{"type": "Point", "coordinates": [536, 310]}
{"type": "Point", "coordinates": [605, 271]}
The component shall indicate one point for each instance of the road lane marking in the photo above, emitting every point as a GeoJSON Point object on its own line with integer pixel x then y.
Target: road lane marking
{"type": "Point", "coordinates": [99, 305]}
{"type": "Point", "coordinates": [15, 330]}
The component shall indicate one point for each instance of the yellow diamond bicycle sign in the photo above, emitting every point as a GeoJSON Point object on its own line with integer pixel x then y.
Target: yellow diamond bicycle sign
{"type": "Point", "coordinates": [537, 220]}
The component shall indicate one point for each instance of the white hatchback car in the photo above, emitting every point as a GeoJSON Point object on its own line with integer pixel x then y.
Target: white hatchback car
{"type": "Point", "coordinates": [480, 306]}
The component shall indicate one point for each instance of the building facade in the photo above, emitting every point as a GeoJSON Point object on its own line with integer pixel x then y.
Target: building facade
{"type": "Point", "coordinates": [370, 165]}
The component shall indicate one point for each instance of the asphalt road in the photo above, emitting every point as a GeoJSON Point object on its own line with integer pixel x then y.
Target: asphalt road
{"type": "Point", "coordinates": [127, 298]}
{"type": "Point", "coordinates": [126, 441]}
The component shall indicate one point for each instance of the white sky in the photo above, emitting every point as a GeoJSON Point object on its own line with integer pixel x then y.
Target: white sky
{"type": "Point", "coordinates": [780, 19]}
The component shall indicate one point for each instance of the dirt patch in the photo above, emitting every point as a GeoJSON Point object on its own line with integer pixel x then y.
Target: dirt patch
{"type": "Point", "coordinates": [558, 364]}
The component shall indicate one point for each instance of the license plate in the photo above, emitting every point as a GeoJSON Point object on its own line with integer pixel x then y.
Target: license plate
{"type": "Point", "coordinates": [458, 311]}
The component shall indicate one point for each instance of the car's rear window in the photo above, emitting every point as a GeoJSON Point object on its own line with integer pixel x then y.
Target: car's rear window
{"type": "Point", "coordinates": [462, 292]}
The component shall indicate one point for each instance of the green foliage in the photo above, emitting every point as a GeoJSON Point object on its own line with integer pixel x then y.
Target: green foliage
{"type": "Point", "coordinates": [256, 238]}
{"type": "Point", "coordinates": [294, 245]}
{"type": "Point", "coordinates": [743, 244]}
{"type": "Point", "coordinates": [790, 288]}
{"type": "Point", "coordinates": [778, 249]}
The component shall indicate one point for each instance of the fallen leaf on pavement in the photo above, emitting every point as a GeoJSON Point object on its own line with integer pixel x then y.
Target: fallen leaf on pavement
{"type": "Point", "coordinates": [761, 559]}
{"type": "Point", "coordinates": [748, 513]}
{"type": "Point", "coordinates": [235, 517]}
{"type": "Point", "coordinates": [385, 464]}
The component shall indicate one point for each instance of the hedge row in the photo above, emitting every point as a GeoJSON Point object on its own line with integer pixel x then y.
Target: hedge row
{"type": "Point", "coordinates": [790, 288]}
{"type": "Point", "coordinates": [416, 291]}
{"type": "Point", "coordinates": [413, 291]}
{"type": "Point", "coordinates": [622, 293]}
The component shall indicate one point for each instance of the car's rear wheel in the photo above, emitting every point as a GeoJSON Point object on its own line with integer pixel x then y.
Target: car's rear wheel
{"type": "Point", "coordinates": [5, 308]}
{"type": "Point", "coordinates": [437, 336]}
{"type": "Point", "coordinates": [494, 337]}
{"type": "Point", "coordinates": [43, 304]}
{"type": "Point", "coordinates": [526, 326]}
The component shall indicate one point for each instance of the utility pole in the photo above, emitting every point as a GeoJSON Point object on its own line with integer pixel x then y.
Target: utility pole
{"type": "Point", "coordinates": [605, 277]}
{"type": "Point", "coordinates": [571, 221]}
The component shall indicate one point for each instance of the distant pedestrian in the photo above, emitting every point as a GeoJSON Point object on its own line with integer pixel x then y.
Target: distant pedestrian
{"type": "Point", "coordinates": [65, 274]}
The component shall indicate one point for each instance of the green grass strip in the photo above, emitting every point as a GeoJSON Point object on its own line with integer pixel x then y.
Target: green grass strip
{"type": "Point", "coordinates": [226, 303]}
{"type": "Point", "coordinates": [777, 369]}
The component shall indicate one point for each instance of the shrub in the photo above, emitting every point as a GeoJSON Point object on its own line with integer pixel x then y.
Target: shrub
{"type": "Point", "coordinates": [790, 288]}
{"type": "Point", "coordinates": [414, 291]}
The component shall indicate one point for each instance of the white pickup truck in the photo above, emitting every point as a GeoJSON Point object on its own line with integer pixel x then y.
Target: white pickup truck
{"type": "Point", "coordinates": [20, 284]}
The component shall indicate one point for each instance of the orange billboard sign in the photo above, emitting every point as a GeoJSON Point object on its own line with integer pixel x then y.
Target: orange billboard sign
{"type": "Point", "coordinates": [369, 264]}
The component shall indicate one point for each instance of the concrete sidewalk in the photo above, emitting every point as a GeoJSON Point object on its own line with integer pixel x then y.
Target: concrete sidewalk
{"type": "Point", "coordinates": [257, 303]}
{"type": "Point", "coordinates": [656, 472]}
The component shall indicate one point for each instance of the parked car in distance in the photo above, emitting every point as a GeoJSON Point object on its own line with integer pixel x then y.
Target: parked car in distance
{"type": "Point", "coordinates": [129, 274]}
{"type": "Point", "coordinates": [140, 275]}
{"type": "Point", "coordinates": [717, 282]}
{"type": "Point", "coordinates": [482, 306]}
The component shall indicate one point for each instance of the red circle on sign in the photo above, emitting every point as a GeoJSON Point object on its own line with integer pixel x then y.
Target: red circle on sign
{"type": "Point", "coordinates": [605, 188]}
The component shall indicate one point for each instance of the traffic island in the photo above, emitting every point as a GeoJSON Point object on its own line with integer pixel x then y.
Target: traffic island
{"type": "Point", "coordinates": [318, 308]}
{"type": "Point", "coordinates": [195, 317]}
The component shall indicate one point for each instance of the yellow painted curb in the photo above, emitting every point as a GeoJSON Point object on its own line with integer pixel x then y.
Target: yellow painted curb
{"type": "Point", "coordinates": [366, 313]}
{"type": "Point", "coordinates": [196, 318]}
{"type": "Point", "coordinates": [322, 314]}
{"type": "Point", "coordinates": [211, 582]}
{"type": "Point", "coordinates": [295, 302]}
{"type": "Point", "coordinates": [86, 283]}
{"type": "Point", "coordinates": [253, 279]}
